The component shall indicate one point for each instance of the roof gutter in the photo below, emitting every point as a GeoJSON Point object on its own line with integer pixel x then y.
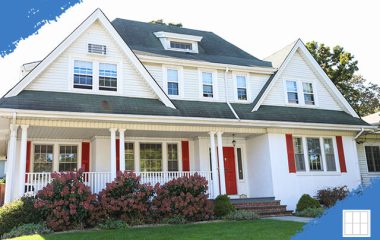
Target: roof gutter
{"type": "Point", "coordinates": [359, 134]}
{"type": "Point", "coordinates": [226, 94]}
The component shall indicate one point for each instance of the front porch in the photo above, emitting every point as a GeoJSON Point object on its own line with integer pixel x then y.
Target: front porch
{"type": "Point", "coordinates": [157, 153]}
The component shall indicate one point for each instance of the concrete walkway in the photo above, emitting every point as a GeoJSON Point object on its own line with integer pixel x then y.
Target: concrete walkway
{"type": "Point", "coordinates": [292, 218]}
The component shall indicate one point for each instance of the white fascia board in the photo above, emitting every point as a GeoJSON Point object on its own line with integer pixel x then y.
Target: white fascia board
{"type": "Point", "coordinates": [202, 64]}
{"type": "Point", "coordinates": [96, 15]}
{"type": "Point", "coordinates": [178, 36]}
{"type": "Point", "coordinates": [55, 115]}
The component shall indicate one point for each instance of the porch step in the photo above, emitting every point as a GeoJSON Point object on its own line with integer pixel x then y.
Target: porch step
{"type": "Point", "coordinates": [265, 207]}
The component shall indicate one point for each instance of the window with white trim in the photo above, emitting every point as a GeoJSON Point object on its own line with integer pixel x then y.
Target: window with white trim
{"type": "Point", "coordinates": [43, 158]}
{"type": "Point", "coordinates": [329, 154]}
{"type": "Point", "coordinates": [68, 158]}
{"type": "Point", "coordinates": [241, 87]}
{"type": "Point", "coordinates": [173, 82]}
{"type": "Point", "coordinates": [240, 163]}
{"type": "Point", "coordinates": [207, 85]}
{"type": "Point", "coordinates": [292, 92]}
{"type": "Point", "coordinates": [172, 157]}
{"type": "Point", "coordinates": [373, 158]}
{"type": "Point", "coordinates": [308, 93]}
{"type": "Point", "coordinates": [181, 45]}
{"type": "Point", "coordinates": [129, 154]}
{"type": "Point", "coordinates": [299, 154]}
{"type": "Point", "coordinates": [314, 154]}
{"type": "Point", "coordinates": [83, 74]}
{"type": "Point", "coordinates": [107, 77]}
{"type": "Point", "coordinates": [151, 157]}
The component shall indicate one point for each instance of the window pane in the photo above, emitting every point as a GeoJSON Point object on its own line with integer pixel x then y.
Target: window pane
{"type": "Point", "coordinates": [68, 158]}
{"type": "Point", "coordinates": [314, 154]}
{"type": "Point", "coordinates": [240, 82]}
{"type": "Point", "coordinates": [373, 158]}
{"type": "Point", "coordinates": [307, 87]}
{"type": "Point", "coordinates": [151, 157]}
{"type": "Point", "coordinates": [207, 91]}
{"type": "Point", "coordinates": [291, 86]}
{"type": "Point", "coordinates": [298, 154]}
{"type": "Point", "coordinates": [207, 78]}
{"type": "Point", "coordinates": [241, 87]}
{"type": "Point", "coordinates": [172, 157]}
{"type": "Point", "coordinates": [329, 154]}
{"type": "Point", "coordinates": [172, 75]}
{"type": "Point", "coordinates": [43, 158]}
{"type": "Point", "coordinates": [82, 74]}
{"type": "Point", "coordinates": [292, 97]}
{"type": "Point", "coordinates": [308, 93]}
{"type": "Point", "coordinates": [309, 99]}
{"type": "Point", "coordinates": [181, 45]}
{"type": "Point", "coordinates": [172, 88]}
{"type": "Point", "coordinates": [129, 156]}
{"type": "Point", "coordinates": [240, 163]}
{"type": "Point", "coordinates": [107, 77]}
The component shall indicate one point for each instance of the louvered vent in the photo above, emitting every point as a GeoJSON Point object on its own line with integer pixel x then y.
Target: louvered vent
{"type": "Point", "coordinates": [97, 49]}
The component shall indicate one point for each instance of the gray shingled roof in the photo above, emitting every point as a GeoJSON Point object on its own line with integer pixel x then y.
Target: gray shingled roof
{"type": "Point", "coordinates": [88, 103]}
{"type": "Point", "coordinates": [212, 48]}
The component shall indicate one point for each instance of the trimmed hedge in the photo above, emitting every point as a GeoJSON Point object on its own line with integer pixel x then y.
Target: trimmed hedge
{"type": "Point", "coordinates": [223, 206]}
{"type": "Point", "coordinates": [306, 201]}
{"type": "Point", "coordinates": [18, 213]}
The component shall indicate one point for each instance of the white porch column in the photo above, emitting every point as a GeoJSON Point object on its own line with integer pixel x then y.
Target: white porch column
{"type": "Point", "coordinates": [221, 163]}
{"type": "Point", "coordinates": [22, 166]}
{"type": "Point", "coordinates": [11, 162]}
{"type": "Point", "coordinates": [122, 149]}
{"type": "Point", "coordinates": [113, 153]}
{"type": "Point", "coordinates": [214, 162]}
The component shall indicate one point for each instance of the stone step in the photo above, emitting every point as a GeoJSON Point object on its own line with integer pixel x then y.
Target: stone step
{"type": "Point", "coordinates": [266, 203]}
{"type": "Point", "coordinates": [259, 209]}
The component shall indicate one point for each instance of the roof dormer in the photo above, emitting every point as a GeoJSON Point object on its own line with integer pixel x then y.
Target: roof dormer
{"type": "Point", "coordinates": [179, 42]}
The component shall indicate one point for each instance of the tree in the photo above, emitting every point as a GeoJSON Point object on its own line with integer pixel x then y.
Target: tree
{"type": "Point", "coordinates": [161, 22]}
{"type": "Point", "coordinates": [341, 67]}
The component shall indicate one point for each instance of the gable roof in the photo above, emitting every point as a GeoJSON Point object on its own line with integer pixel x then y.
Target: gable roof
{"type": "Point", "coordinates": [104, 104]}
{"type": "Point", "coordinates": [212, 48]}
{"type": "Point", "coordinates": [97, 15]}
{"type": "Point", "coordinates": [279, 55]}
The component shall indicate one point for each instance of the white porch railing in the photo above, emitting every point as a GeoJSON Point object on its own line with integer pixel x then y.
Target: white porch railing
{"type": "Point", "coordinates": [98, 180]}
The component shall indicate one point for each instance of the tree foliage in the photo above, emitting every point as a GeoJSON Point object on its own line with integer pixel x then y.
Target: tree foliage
{"type": "Point", "coordinates": [161, 22]}
{"type": "Point", "coordinates": [341, 67]}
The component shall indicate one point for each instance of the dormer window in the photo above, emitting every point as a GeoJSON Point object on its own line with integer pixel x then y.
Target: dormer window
{"type": "Point", "coordinates": [179, 42]}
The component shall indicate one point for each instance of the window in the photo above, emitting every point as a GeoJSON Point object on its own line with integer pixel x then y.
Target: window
{"type": "Point", "coordinates": [151, 157]}
{"type": "Point", "coordinates": [373, 158]}
{"type": "Point", "coordinates": [207, 84]}
{"type": "Point", "coordinates": [129, 156]}
{"type": "Point", "coordinates": [241, 85]}
{"type": "Point", "coordinates": [107, 77]}
{"type": "Point", "coordinates": [308, 93]}
{"type": "Point", "coordinates": [82, 74]}
{"type": "Point", "coordinates": [314, 154]}
{"type": "Point", "coordinates": [172, 157]}
{"type": "Point", "coordinates": [68, 158]}
{"type": "Point", "coordinates": [172, 77]}
{"type": "Point", "coordinates": [357, 223]}
{"type": "Point", "coordinates": [291, 88]}
{"type": "Point", "coordinates": [299, 154]}
{"type": "Point", "coordinates": [97, 49]}
{"type": "Point", "coordinates": [43, 158]}
{"type": "Point", "coordinates": [181, 45]}
{"type": "Point", "coordinates": [329, 154]}
{"type": "Point", "coordinates": [240, 163]}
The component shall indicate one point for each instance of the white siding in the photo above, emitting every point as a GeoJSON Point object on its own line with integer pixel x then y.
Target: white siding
{"type": "Point", "coordinates": [58, 77]}
{"type": "Point", "coordinates": [299, 69]}
{"type": "Point", "coordinates": [365, 175]}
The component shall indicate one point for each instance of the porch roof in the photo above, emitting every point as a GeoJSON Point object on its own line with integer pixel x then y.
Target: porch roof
{"type": "Point", "coordinates": [89, 103]}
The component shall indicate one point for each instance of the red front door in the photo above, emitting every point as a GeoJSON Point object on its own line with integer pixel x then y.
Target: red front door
{"type": "Point", "coordinates": [230, 170]}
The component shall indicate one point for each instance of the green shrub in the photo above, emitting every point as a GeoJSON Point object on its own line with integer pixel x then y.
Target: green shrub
{"type": "Point", "coordinates": [310, 212]}
{"type": "Point", "coordinates": [113, 224]}
{"type": "Point", "coordinates": [17, 213]}
{"type": "Point", "coordinates": [241, 215]}
{"type": "Point", "coordinates": [307, 202]}
{"type": "Point", "coordinates": [175, 220]}
{"type": "Point", "coordinates": [27, 229]}
{"type": "Point", "coordinates": [223, 206]}
{"type": "Point", "coordinates": [329, 196]}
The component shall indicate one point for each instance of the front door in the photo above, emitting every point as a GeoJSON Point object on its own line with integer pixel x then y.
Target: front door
{"type": "Point", "coordinates": [230, 170]}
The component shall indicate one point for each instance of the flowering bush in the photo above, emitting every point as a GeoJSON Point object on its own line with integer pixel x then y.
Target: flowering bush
{"type": "Point", "coordinates": [67, 203]}
{"type": "Point", "coordinates": [184, 196]}
{"type": "Point", "coordinates": [127, 199]}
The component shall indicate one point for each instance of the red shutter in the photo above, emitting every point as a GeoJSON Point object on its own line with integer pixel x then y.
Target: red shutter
{"type": "Point", "coordinates": [185, 156]}
{"type": "Point", "coordinates": [117, 155]}
{"type": "Point", "coordinates": [85, 156]}
{"type": "Point", "coordinates": [290, 150]}
{"type": "Point", "coordinates": [28, 152]}
{"type": "Point", "coordinates": [342, 159]}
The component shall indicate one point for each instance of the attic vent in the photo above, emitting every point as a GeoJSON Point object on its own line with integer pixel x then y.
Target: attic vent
{"type": "Point", "coordinates": [97, 49]}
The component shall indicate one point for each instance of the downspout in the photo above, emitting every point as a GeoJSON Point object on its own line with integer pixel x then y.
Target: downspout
{"type": "Point", "coordinates": [359, 134]}
{"type": "Point", "coordinates": [226, 94]}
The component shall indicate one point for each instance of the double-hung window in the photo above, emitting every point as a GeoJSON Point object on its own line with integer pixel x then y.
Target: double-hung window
{"type": "Point", "coordinates": [107, 77]}
{"type": "Point", "coordinates": [151, 157]}
{"type": "Point", "coordinates": [207, 85]}
{"type": "Point", "coordinates": [329, 154]}
{"type": "Point", "coordinates": [299, 154]}
{"type": "Point", "coordinates": [172, 157]}
{"type": "Point", "coordinates": [43, 158]}
{"type": "Point", "coordinates": [241, 85]}
{"type": "Point", "coordinates": [82, 74]}
{"type": "Point", "coordinates": [292, 92]}
{"type": "Point", "coordinates": [173, 80]}
{"type": "Point", "coordinates": [129, 154]}
{"type": "Point", "coordinates": [314, 154]}
{"type": "Point", "coordinates": [308, 93]}
{"type": "Point", "coordinates": [373, 158]}
{"type": "Point", "coordinates": [68, 158]}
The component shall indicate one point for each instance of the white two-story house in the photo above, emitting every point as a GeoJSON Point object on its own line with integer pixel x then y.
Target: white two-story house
{"type": "Point", "coordinates": [165, 102]}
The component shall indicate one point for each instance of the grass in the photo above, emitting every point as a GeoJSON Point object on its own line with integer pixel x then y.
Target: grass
{"type": "Point", "coordinates": [257, 229]}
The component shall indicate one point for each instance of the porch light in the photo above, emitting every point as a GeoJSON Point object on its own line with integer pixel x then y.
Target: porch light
{"type": "Point", "coordinates": [233, 140]}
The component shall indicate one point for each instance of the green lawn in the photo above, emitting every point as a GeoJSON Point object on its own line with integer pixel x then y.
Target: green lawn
{"type": "Point", "coordinates": [258, 229]}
